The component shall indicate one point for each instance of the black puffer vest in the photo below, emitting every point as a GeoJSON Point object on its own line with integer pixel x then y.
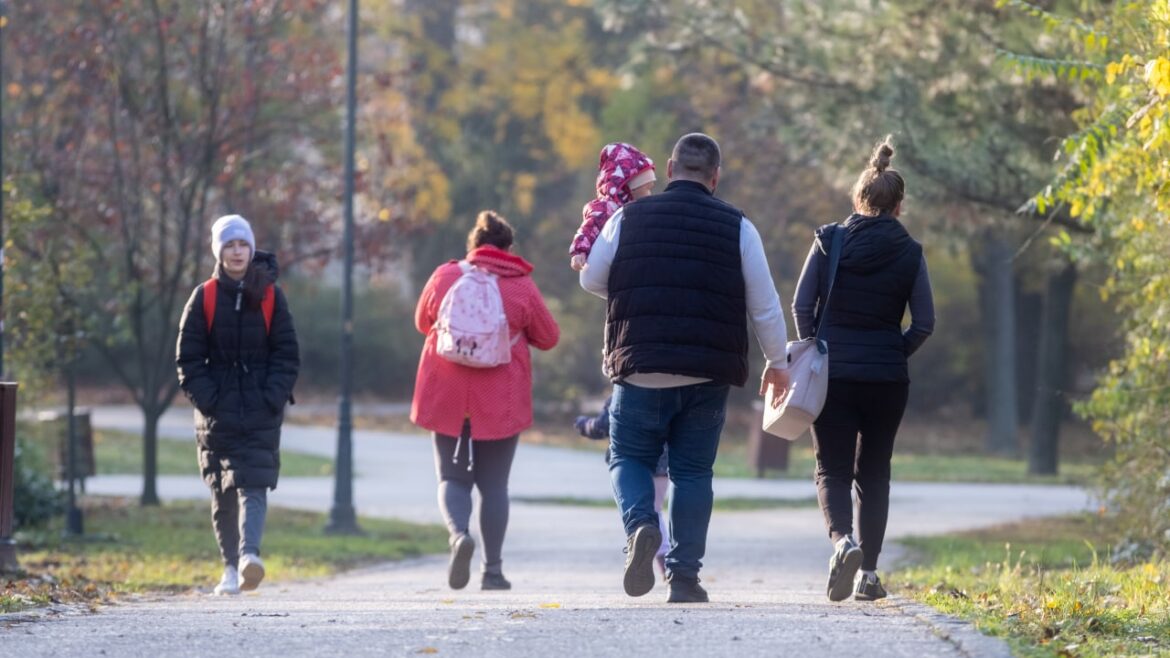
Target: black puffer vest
{"type": "Point", "coordinates": [879, 263]}
{"type": "Point", "coordinates": [677, 302]}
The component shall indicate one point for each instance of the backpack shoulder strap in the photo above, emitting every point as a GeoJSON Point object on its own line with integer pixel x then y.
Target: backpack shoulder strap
{"type": "Point", "coordinates": [268, 306]}
{"type": "Point", "coordinates": [209, 294]}
{"type": "Point", "coordinates": [211, 291]}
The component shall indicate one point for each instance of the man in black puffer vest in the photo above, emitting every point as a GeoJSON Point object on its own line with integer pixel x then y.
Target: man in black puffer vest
{"type": "Point", "coordinates": [682, 272]}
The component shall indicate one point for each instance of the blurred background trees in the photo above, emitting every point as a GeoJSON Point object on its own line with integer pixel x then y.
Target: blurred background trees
{"type": "Point", "coordinates": [134, 123]}
{"type": "Point", "coordinates": [131, 124]}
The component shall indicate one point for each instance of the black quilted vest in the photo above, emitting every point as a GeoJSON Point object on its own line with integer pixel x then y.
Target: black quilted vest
{"type": "Point", "coordinates": [676, 292]}
{"type": "Point", "coordinates": [879, 263]}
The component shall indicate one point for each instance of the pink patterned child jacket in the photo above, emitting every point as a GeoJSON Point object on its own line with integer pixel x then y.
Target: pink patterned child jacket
{"type": "Point", "coordinates": [618, 164]}
{"type": "Point", "coordinates": [497, 400]}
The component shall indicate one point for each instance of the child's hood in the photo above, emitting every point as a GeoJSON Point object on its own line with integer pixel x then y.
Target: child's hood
{"type": "Point", "coordinates": [619, 163]}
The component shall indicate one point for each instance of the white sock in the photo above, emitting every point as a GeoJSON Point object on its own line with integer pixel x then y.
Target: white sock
{"type": "Point", "coordinates": [869, 575]}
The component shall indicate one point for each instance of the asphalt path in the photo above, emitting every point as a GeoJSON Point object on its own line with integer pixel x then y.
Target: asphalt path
{"type": "Point", "coordinates": [764, 569]}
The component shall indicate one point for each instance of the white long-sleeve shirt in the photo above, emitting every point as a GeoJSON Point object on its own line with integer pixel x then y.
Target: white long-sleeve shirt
{"type": "Point", "coordinates": [763, 302]}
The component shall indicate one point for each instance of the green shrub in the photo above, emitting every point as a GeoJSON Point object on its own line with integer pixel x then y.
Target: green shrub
{"type": "Point", "coordinates": [36, 499]}
{"type": "Point", "coordinates": [384, 338]}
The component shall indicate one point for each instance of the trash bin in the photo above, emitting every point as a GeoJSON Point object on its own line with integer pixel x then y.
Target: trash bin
{"type": "Point", "coordinates": [764, 450]}
{"type": "Point", "coordinates": [58, 423]}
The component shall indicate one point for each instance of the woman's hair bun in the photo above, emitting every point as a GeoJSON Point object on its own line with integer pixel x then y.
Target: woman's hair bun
{"type": "Point", "coordinates": [490, 228]}
{"type": "Point", "coordinates": [882, 155]}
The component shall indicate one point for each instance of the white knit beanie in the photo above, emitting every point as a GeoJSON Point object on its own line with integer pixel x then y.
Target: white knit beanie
{"type": "Point", "coordinates": [228, 228]}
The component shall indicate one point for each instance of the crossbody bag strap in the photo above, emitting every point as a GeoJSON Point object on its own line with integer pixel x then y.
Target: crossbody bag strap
{"type": "Point", "coordinates": [834, 257]}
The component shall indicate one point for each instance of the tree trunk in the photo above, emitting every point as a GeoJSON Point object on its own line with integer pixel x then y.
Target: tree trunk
{"type": "Point", "coordinates": [1029, 326]}
{"type": "Point", "coordinates": [150, 417]}
{"type": "Point", "coordinates": [1049, 406]}
{"type": "Point", "coordinates": [999, 311]}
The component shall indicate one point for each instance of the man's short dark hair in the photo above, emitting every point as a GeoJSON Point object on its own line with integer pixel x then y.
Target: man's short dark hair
{"type": "Point", "coordinates": [696, 155]}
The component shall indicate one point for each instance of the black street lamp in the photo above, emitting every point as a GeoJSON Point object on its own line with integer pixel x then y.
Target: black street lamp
{"type": "Point", "coordinates": [342, 519]}
{"type": "Point", "coordinates": [3, 92]}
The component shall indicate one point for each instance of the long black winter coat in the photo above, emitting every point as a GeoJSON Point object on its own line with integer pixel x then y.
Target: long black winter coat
{"type": "Point", "coordinates": [238, 377]}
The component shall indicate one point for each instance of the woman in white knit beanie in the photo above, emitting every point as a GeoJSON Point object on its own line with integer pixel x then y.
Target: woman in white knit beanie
{"type": "Point", "coordinates": [238, 359]}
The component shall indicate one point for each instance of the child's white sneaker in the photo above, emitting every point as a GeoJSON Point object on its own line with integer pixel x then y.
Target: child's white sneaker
{"type": "Point", "coordinates": [229, 584]}
{"type": "Point", "coordinates": [252, 570]}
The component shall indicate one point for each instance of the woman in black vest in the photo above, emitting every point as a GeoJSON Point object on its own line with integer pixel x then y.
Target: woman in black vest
{"type": "Point", "coordinates": [881, 271]}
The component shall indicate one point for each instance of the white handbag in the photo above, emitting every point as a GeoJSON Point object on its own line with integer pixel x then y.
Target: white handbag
{"type": "Point", "coordinates": [808, 371]}
{"type": "Point", "coordinates": [808, 374]}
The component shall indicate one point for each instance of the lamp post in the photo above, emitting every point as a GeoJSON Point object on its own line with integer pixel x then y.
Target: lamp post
{"type": "Point", "coordinates": [3, 91]}
{"type": "Point", "coordinates": [8, 561]}
{"type": "Point", "coordinates": [342, 519]}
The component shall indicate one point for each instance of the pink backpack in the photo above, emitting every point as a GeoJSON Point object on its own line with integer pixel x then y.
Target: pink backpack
{"type": "Point", "coordinates": [472, 329]}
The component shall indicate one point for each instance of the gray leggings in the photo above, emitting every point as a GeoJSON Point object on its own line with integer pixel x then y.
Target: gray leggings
{"type": "Point", "coordinates": [491, 463]}
{"type": "Point", "coordinates": [237, 515]}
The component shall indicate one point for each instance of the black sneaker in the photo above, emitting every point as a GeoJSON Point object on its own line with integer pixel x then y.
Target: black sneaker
{"type": "Point", "coordinates": [686, 590]}
{"type": "Point", "coordinates": [495, 581]}
{"type": "Point", "coordinates": [869, 588]}
{"type": "Point", "coordinates": [459, 569]}
{"type": "Point", "coordinates": [640, 550]}
{"type": "Point", "coordinates": [842, 568]}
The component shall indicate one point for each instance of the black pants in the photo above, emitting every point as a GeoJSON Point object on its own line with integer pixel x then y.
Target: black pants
{"type": "Point", "coordinates": [853, 439]}
{"type": "Point", "coordinates": [486, 466]}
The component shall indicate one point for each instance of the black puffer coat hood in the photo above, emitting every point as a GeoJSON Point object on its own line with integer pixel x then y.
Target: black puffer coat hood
{"type": "Point", "coordinates": [871, 243]}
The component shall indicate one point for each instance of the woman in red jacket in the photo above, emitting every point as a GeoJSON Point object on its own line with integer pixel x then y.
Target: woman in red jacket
{"type": "Point", "coordinates": [477, 414]}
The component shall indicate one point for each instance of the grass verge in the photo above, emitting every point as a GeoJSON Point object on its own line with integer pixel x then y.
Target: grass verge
{"type": "Point", "coordinates": [1044, 587]}
{"type": "Point", "coordinates": [732, 460]}
{"type": "Point", "coordinates": [171, 548]}
{"type": "Point", "coordinates": [120, 453]}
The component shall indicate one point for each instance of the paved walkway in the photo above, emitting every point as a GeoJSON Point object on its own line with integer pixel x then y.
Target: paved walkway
{"type": "Point", "coordinates": [764, 571]}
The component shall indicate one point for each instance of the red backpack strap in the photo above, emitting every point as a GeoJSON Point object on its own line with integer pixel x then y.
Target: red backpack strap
{"type": "Point", "coordinates": [268, 306]}
{"type": "Point", "coordinates": [209, 293]}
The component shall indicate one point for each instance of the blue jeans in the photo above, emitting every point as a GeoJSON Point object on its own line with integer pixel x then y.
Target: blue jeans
{"type": "Point", "coordinates": [689, 420]}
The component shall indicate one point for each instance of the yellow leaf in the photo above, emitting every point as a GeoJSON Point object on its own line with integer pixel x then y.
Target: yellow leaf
{"type": "Point", "coordinates": [1158, 76]}
{"type": "Point", "coordinates": [427, 650]}
{"type": "Point", "coordinates": [550, 605]}
{"type": "Point", "coordinates": [1111, 71]}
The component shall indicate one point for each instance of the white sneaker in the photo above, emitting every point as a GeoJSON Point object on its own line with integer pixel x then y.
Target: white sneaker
{"type": "Point", "coordinates": [252, 569]}
{"type": "Point", "coordinates": [229, 584]}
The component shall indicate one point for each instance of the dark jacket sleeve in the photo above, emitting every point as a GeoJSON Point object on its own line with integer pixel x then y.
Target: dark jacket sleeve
{"type": "Point", "coordinates": [808, 294]}
{"type": "Point", "coordinates": [192, 353]}
{"type": "Point", "coordinates": [284, 355]}
{"type": "Point", "coordinates": [921, 312]}
{"type": "Point", "coordinates": [595, 427]}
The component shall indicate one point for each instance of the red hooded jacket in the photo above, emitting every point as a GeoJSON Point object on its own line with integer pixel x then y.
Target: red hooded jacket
{"type": "Point", "coordinates": [497, 400]}
{"type": "Point", "coordinates": [618, 164]}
